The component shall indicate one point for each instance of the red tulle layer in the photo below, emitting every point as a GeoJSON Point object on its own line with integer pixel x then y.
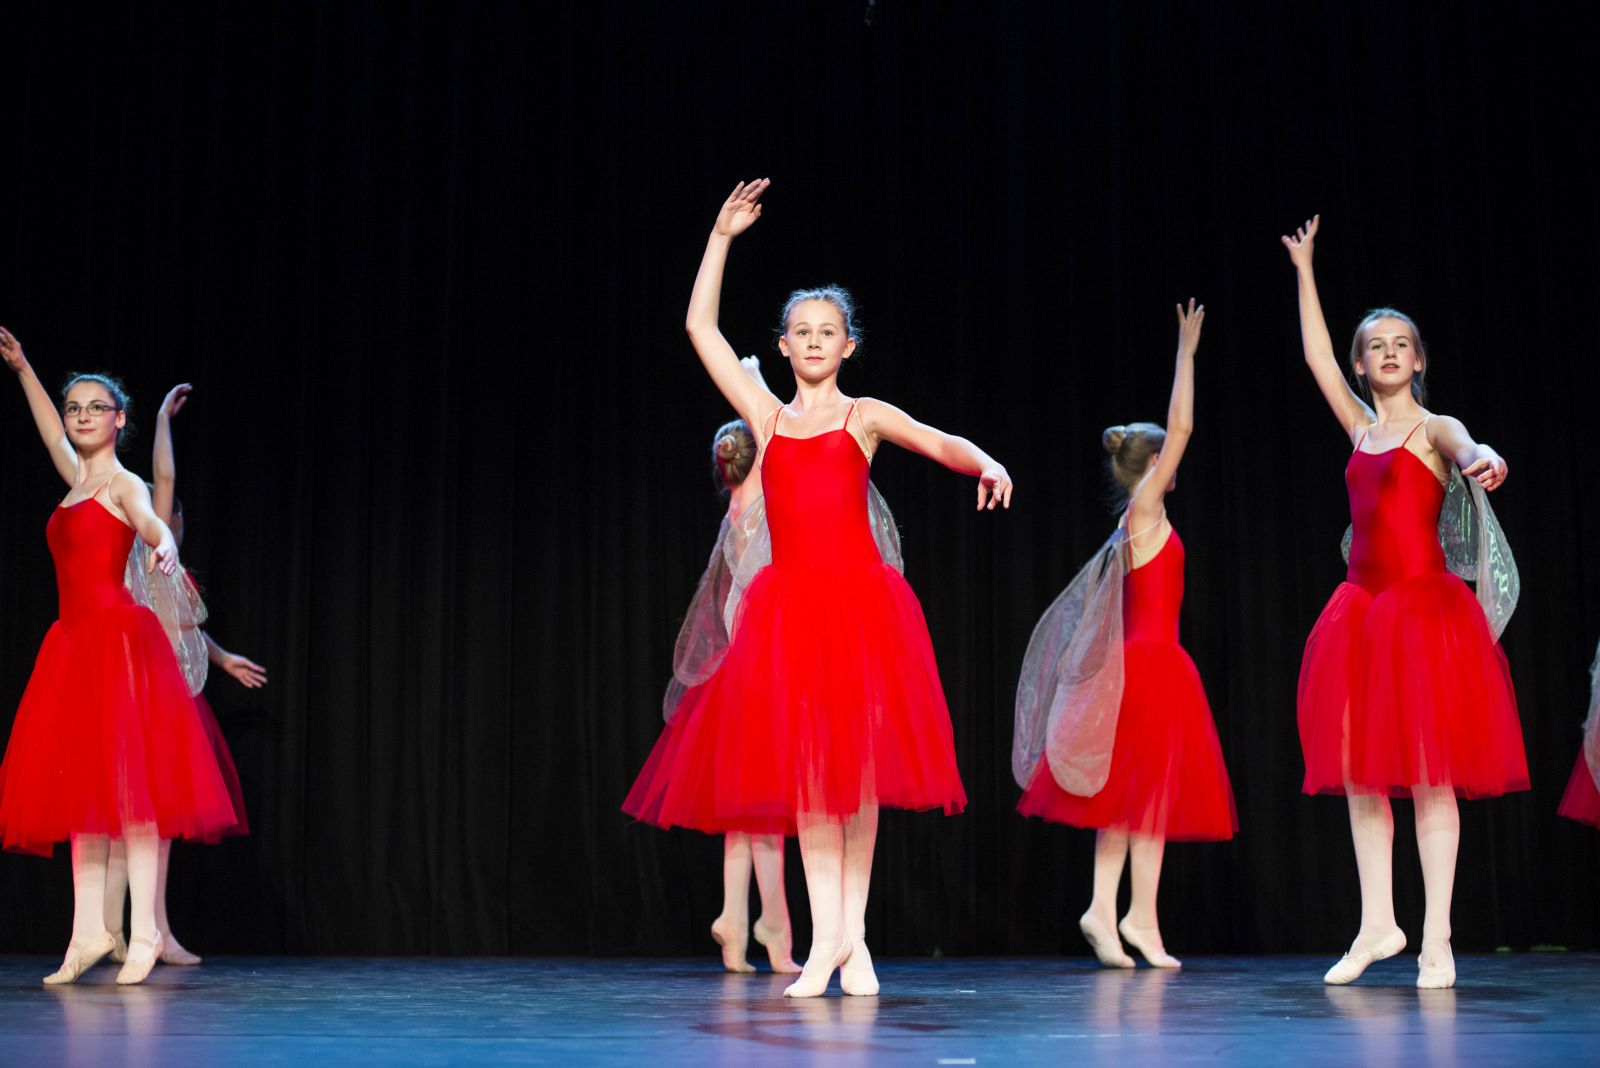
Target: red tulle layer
{"type": "Point", "coordinates": [108, 738]}
{"type": "Point", "coordinates": [829, 700]}
{"type": "Point", "coordinates": [1581, 802]}
{"type": "Point", "coordinates": [1167, 775]}
{"type": "Point", "coordinates": [225, 766]}
{"type": "Point", "coordinates": [1408, 688]}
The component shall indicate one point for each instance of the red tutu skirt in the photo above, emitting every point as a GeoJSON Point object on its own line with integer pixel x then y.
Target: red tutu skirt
{"type": "Point", "coordinates": [1405, 688]}
{"type": "Point", "coordinates": [1167, 775]}
{"type": "Point", "coordinates": [1581, 802]}
{"type": "Point", "coordinates": [225, 766]}
{"type": "Point", "coordinates": [107, 738]}
{"type": "Point", "coordinates": [828, 700]}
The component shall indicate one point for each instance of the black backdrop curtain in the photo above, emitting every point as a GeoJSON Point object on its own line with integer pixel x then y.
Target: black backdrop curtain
{"type": "Point", "coordinates": [444, 470]}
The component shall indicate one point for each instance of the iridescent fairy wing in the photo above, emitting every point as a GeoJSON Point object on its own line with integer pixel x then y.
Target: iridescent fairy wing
{"type": "Point", "coordinates": [747, 550]}
{"type": "Point", "coordinates": [1072, 674]}
{"type": "Point", "coordinates": [176, 601]}
{"type": "Point", "coordinates": [884, 529]}
{"type": "Point", "coordinates": [1591, 724]}
{"type": "Point", "coordinates": [703, 638]}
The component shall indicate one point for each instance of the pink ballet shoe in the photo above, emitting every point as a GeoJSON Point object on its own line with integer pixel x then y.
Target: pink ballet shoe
{"type": "Point", "coordinates": [138, 969]}
{"type": "Point", "coordinates": [778, 942]}
{"type": "Point", "coordinates": [81, 956]}
{"type": "Point", "coordinates": [176, 954]}
{"type": "Point", "coordinates": [1353, 963]}
{"type": "Point", "coordinates": [856, 976]}
{"type": "Point", "coordinates": [733, 943]}
{"type": "Point", "coordinates": [1436, 965]}
{"type": "Point", "coordinates": [1105, 943]}
{"type": "Point", "coordinates": [120, 953]}
{"type": "Point", "coordinates": [819, 968]}
{"type": "Point", "coordinates": [1148, 942]}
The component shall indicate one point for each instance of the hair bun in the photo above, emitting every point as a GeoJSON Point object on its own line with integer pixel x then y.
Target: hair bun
{"type": "Point", "coordinates": [1113, 437]}
{"type": "Point", "coordinates": [727, 447]}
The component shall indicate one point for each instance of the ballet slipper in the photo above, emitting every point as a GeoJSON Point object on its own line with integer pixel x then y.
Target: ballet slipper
{"type": "Point", "coordinates": [137, 970]}
{"type": "Point", "coordinates": [1148, 942]}
{"type": "Point", "coordinates": [1436, 965]}
{"type": "Point", "coordinates": [733, 945]}
{"type": "Point", "coordinates": [779, 945]}
{"type": "Point", "coordinates": [856, 976]}
{"type": "Point", "coordinates": [1107, 947]}
{"type": "Point", "coordinates": [1353, 963]}
{"type": "Point", "coordinates": [81, 956]}
{"type": "Point", "coordinates": [120, 952]}
{"type": "Point", "coordinates": [176, 954]}
{"type": "Point", "coordinates": [818, 969]}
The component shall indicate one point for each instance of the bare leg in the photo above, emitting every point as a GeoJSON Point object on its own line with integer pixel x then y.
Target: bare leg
{"type": "Point", "coordinates": [144, 942]}
{"type": "Point", "coordinates": [117, 897]}
{"type": "Point", "coordinates": [1099, 923]}
{"type": "Point", "coordinates": [732, 928]}
{"type": "Point", "coordinates": [1372, 832]}
{"type": "Point", "coordinates": [772, 929]}
{"type": "Point", "coordinates": [174, 953]}
{"type": "Point", "coordinates": [1438, 839]}
{"type": "Point", "coordinates": [822, 853]}
{"type": "Point", "coordinates": [90, 939]}
{"type": "Point", "coordinates": [860, 838]}
{"type": "Point", "coordinates": [1140, 927]}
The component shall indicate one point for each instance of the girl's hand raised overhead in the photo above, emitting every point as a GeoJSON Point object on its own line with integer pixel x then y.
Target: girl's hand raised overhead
{"type": "Point", "coordinates": [1300, 245]}
{"type": "Point", "coordinates": [741, 209]}
{"type": "Point", "coordinates": [11, 351]}
{"type": "Point", "coordinates": [175, 399]}
{"type": "Point", "coordinates": [1189, 324]}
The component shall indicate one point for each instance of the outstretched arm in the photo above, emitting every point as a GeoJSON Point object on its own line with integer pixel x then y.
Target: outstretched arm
{"type": "Point", "coordinates": [885, 422]}
{"type": "Point", "coordinates": [163, 464]}
{"type": "Point", "coordinates": [128, 493]}
{"type": "Point", "coordinates": [251, 675]}
{"type": "Point", "coordinates": [750, 400]}
{"type": "Point", "coordinates": [1450, 437]}
{"type": "Point", "coordinates": [1145, 507]}
{"type": "Point", "coordinates": [1348, 408]}
{"type": "Point", "coordinates": [45, 416]}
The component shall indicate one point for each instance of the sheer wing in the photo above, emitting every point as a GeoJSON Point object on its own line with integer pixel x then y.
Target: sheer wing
{"type": "Point", "coordinates": [1072, 674]}
{"type": "Point", "coordinates": [1591, 724]}
{"type": "Point", "coordinates": [176, 601]}
{"type": "Point", "coordinates": [884, 529]}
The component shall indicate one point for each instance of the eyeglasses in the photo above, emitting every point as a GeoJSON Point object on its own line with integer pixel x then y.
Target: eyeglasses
{"type": "Point", "coordinates": [94, 408]}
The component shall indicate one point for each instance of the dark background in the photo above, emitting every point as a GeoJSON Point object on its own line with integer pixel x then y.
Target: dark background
{"type": "Point", "coordinates": [444, 468]}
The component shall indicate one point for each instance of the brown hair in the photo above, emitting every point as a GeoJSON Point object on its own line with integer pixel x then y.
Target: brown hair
{"type": "Point", "coordinates": [1130, 448]}
{"type": "Point", "coordinates": [1419, 387]}
{"type": "Point", "coordinates": [733, 454]}
{"type": "Point", "coordinates": [119, 398]}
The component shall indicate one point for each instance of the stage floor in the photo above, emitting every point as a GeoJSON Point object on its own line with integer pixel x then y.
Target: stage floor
{"type": "Point", "coordinates": [1523, 1009]}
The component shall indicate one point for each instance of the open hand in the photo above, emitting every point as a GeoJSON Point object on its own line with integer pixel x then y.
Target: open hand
{"type": "Point", "coordinates": [742, 208]}
{"type": "Point", "coordinates": [1189, 324]}
{"type": "Point", "coordinates": [251, 675]}
{"type": "Point", "coordinates": [164, 556]}
{"type": "Point", "coordinates": [1300, 245]}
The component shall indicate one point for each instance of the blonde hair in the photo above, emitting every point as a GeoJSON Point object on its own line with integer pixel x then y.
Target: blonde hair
{"type": "Point", "coordinates": [1129, 449]}
{"type": "Point", "coordinates": [1419, 387]}
{"type": "Point", "coordinates": [733, 454]}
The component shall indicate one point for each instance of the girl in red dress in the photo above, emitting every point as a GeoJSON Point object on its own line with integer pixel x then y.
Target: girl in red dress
{"type": "Point", "coordinates": [1165, 777]}
{"type": "Point", "coordinates": [657, 795]}
{"type": "Point", "coordinates": [1404, 691]}
{"type": "Point", "coordinates": [828, 704]}
{"type": "Point", "coordinates": [106, 742]}
{"type": "Point", "coordinates": [164, 500]}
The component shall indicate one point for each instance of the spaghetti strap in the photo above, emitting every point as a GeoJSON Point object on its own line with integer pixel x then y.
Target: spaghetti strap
{"type": "Point", "coordinates": [1364, 432]}
{"type": "Point", "coordinates": [1415, 429]}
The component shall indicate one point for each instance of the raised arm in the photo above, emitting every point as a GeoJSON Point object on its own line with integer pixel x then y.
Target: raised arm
{"type": "Point", "coordinates": [1145, 508]}
{"type": "Point", "coordinates": [1450, 437]}
{"type": "Point", "coordinates": [163, 464]}
{"type": "Point", "coordinates": [1349, 409]}
{"type": "Point", "coordinates": [752, 401]}
{"type": "Point", "coordinates": [885, 422]}
{"type": "Point", "coordinates": [45, 415]}
{"type": "Point", "coordinates": [128, 493]}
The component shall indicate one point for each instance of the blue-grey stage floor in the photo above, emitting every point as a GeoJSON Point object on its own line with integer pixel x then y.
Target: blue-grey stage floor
{"type": "Point", "coordinates": [1522, 1009]}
